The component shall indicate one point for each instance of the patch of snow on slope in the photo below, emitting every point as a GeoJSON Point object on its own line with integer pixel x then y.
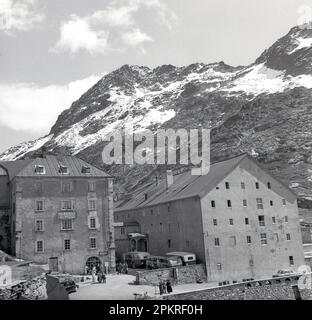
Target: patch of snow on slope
{"type": "Point", "coordinates": [23, 148]}
{"type": "Point", "coordinates": [302, 43]}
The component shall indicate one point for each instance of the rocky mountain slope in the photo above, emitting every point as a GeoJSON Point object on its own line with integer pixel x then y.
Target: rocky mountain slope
{"type": "Point", "coordinates": [263, 109]}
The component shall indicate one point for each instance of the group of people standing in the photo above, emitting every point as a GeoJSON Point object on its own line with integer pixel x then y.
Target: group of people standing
{"type": "Point", "coordinates": [122, 268]}
{"type": "Point", "coordinates": [97, 273]}
{"type": "Point", "coordinates": [164, 287]}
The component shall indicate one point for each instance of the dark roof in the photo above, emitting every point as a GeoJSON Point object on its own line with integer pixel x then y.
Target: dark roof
{"type": "Point", "coordinates": [185, 185]}
{"type": "Point", "coordinates": [26, 168]}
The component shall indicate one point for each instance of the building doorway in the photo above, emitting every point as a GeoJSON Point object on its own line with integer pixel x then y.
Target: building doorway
{"type": "Point", "coordinates": [93, 261]}
{"type": "Point", "coordinates": [53, 264]}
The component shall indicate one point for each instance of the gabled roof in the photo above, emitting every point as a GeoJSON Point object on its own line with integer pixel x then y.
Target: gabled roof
{"type": "Point", "coordinates": [51, 163]}
{"type": "Point", "coordinates": [185, 185]}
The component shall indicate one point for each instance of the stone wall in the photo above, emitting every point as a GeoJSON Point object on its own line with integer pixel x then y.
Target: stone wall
{"type": "Point", "coordinates": [33, 289]}
{"type": "Point", "coordinates": [255, 290]}
{"type": "Point", "coordinates": [178, 275]}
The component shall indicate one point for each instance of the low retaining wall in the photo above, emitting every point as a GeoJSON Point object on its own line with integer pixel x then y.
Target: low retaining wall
{"type": "Point", "coordinates": [272, 289]}
{"type": "Point", "coordinates": [177, 275]}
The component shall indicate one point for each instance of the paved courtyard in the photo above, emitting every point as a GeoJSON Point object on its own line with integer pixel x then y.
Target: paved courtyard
{"type": "Point", "coordinates": [121, 287]}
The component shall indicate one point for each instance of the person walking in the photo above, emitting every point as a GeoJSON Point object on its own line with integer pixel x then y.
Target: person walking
{"type": "Point", "coordinates": [93, 274]}
{"type": "Point", "coordinates": [164, 287]}
{"type": "Point", "coordinates": [160, 285]}
{"type": "Point", "coordinates": [169, 287]}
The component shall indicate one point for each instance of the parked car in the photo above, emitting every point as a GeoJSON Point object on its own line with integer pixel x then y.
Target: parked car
{"type": "Point", "coordinates": [186, 257]}
{"type": "Point", "coordinates": [136, 259]}
{"type": "Point", "coordinates": [284, 272]}
{"type": "Point", "coordinates": [158, 262]}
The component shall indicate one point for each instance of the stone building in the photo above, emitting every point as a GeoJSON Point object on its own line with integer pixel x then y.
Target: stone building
{"type": "Point", "coordinates": [239, 220]}
{"type": "Point", "coordinates": [57, 210]}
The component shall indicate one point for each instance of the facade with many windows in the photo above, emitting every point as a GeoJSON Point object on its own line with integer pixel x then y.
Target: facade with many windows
{"type": "Point", "coordinates": [240, 221]}
{"type": "Point", "coordinates": [61, 212]}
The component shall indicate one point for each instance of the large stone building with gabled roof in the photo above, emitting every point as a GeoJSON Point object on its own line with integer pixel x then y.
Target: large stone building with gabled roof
{"type": "Point", "coordinates": [57, 210]}
{"type": "Point", "coordinates": [239, 220]}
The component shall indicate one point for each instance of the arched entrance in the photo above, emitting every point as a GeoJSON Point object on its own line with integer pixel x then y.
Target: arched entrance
{"type": "Point", "coordinates": [93, 261]}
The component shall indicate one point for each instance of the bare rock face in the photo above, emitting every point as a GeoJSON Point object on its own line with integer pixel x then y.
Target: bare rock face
{"type": "Point", "coordinates": [263, 109]}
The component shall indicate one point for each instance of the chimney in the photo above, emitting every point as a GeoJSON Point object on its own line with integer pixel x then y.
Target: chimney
{"type": "Point", "coordinates": [169, 178]}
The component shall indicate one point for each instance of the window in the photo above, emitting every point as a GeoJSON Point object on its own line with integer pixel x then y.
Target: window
{"type": "Point", "coordinates": [67, 205]}
{"type": "Point", "coordinates": [284, 202]}
{"type": "Point", "coordinates": [67, 244]}
{"type": "Point", "coordinates": [244, 203]}
{"type": "Point", "coordinates": [273, 220]}
{"type": "Point", "coordinates": [259, 203]}
{"type": "Point", "coordinates": [168, 208]}
{"type": "Point", "coordinates": [261, 221]}
{"type": "Point", "coordinates": [92, 243]}
{"type": "Point", "coordinates": [67, 224]}
{"type": "Point", "coordinates": [271, 203]}
{"type": "Point", "coordinates": [291, 260]}
{"type": "Point", "coordinates": [288, 236]}
{"type": "Point", "coordinates": [215, 222]}
{"type": "Point", "coordinates": [40, 169]}
{"type": "Point", "coordinates": [248, 238]}
{"type": "Point", "coordinates": [169, 243]}
{"type": "Point", "coordinates": [231, 222]}
{"type": "Point", "coordinates": [66, 187]}
{"type": "Point", "coordinates": [269, 185]}
{"type": "Point", "coordinates": [275, 236]}
{"type": "Point", "coordinates": [229, 204]}
{"type": "Point", "coordinates": [39, 205]}
{"type": "Point", "coordinates": [263, 238]}
{"type": "Point", "coordinates": [243, 185]}
{"type": "Point", "coordinates": [246, 221]}
{"type": "Point", "coordinates": [187, 243]}
{"type": "Point", "coordinates": [286, 219]}
{"type": "Point", "coordinates": [257, 185]}
{"type": "Point", "coordinates": [91, 186]}
{"type": "Point", "coordinates": [85, 169]}
{"type": "Point", "coordinates": [145, 196]}
{"type": "Point", "coordinates": [39, 187]}
{"type": "Point", "coordinates": [217, 242]}
{"type": "Point", "coordinates": [219, 266]}
{"type": "Point", "coordinates": [233, 241]}
{"type": "Point", "coordinates": [63, 169]}
{"type": "Point", "coordinates": [122, 229]}
{"type": "Point", "coordinates": [93, 225]}
{"type": "Point", "coordinates": [39, 246]}
{"type": "Point", "coordinates": [39, 225]}
{"type": "Point", "coordinates": [161, 229]}
{"type": "Point", "coordinates": [227, 185]}
{"type": "Point", "coordinates": [92, 204]}
{"type": "Point", "coordinates": [213, 204]}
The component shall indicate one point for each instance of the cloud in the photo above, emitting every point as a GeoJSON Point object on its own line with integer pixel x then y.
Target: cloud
{"type": "Point", "coordinates": [33, 108]}
{"type": "Point", "coordinates": [19, 15]}
{"type": "Point", "coordinates": [76, 34]}
{"type": "Point", "coordinates": [114, 28]}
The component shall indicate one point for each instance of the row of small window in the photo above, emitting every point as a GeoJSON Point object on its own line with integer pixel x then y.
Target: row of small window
{"type": "Point", "coordinates": [261, 220]}
{"type": "Point", "coordinates": [243, 186]}
{"type": "Point", "coordinates": [259, 202]}
{"type": "Point", "coordinates": [251, 263]}
{"type": "Point", "coordinates": [66, 205]}
{"type": "Point", "coordinates": [66, 187]}
{"type": "Point", "coordinates": [66, 224]}
{"type": "Point", "coordinates": [66, 245]}
{"type": "Point", "coordinates": [263, 239]}
{"type": "Point", "coordinates": [62, 169]}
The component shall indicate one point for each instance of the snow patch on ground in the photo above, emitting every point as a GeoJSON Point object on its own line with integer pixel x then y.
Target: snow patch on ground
{"type": "Point", "coordinates": [302, 43]}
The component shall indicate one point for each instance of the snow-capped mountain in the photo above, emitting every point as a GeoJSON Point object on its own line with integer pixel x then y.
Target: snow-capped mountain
{"type": "Point", "coordinates": [263, 109]}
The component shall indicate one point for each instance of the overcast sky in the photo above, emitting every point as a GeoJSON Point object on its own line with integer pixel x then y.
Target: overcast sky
{"type": "Point", "coordinates": [52, 51]}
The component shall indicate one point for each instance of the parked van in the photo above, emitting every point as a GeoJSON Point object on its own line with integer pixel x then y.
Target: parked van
{"type": "Point", "coordinates": [158, 262]}
{"type": "Point", "coordinates": [136, 259]}
{"type": "Point", "coordinates": [186, 257]}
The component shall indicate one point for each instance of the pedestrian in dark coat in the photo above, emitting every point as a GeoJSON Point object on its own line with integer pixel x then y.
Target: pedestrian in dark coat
{"type": "Point", "coordinates": [161, 291]}
{"type": "Point", "coordinates": [169, 287]}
